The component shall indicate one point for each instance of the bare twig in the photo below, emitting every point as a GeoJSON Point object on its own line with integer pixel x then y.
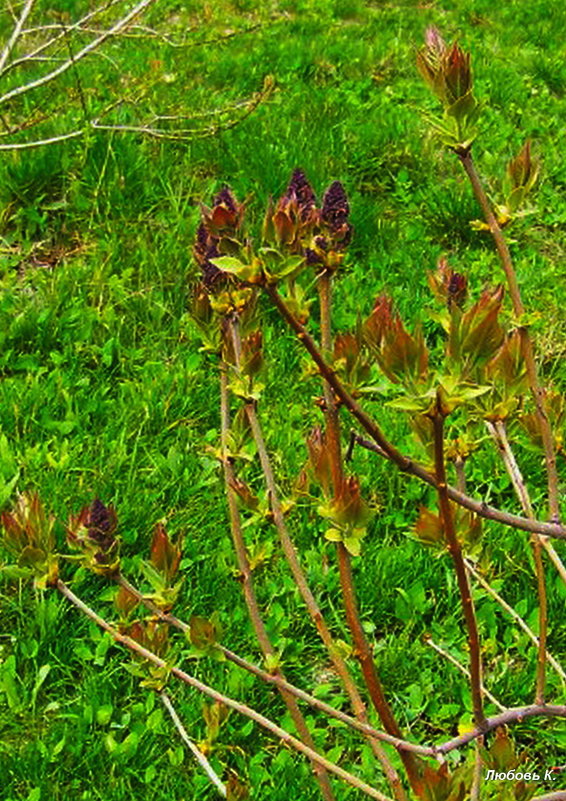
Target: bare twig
{"type": "Point", "coordinates": [515, 615]}
{"type": "Point", "coordinates": [196, 752]}
{"type": "Point", "coordinates": [242, 709]}
{"type": "Point", "coordinates": [178, 135]}
{"type": "Point", "coordinates": [499, 435]}
{"type": "Point", "coordinates": [513, 715]}
{"type": "Point", "coordinates": [478, 770]}
{"type": "Point", "coordinates": [480, 508]}
{"type": "Point", "coordinates": [50, 76]}
{"type": "Point", "coordinates": [64, 31]}
{"type": "Point", "coordinates": [464, 670]}
{"type": "Point", "coordinates": [559, 795]}
{"type": "Point", "coordinates": [15, 33]}
{"type": "Point", "coordinates": [52, 140]}
{"type": "Point", "coordinates": [460, 467]}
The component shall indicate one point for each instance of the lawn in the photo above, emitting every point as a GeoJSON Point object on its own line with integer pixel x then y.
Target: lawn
{"type": "Point", "coordinates": [105, 390]}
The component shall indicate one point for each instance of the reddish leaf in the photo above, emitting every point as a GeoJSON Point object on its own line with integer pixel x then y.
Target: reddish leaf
{"type": "Point", "coordinates": [164, 556]}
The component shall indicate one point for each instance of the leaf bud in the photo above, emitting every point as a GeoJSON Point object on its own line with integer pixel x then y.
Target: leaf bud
{"type": "Point", "coordinates": [93, 532]}
{"type": "Point", "coordinates": [402, 357]}
{"type": "Point", "coordinates": [447, 285]}
{"type": "Point", "coordinates": [164, 555]}
{"type": "Point", "coordinates": [320, 460]}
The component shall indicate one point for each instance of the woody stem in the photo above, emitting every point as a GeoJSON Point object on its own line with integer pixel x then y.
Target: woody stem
{"type": "Point", "coordinates": [526, 342]}
{"type": "Point", "coordinates": [351, 608]}
{"type": "Point", "coordinates": [455, 551]}
{"type": "Point", "coordinates": [248, 584]}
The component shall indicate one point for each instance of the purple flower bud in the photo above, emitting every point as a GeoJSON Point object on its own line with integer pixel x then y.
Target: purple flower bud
{"type": "Point", "coordinates": [201, 242]}
{"type": "Point", "coordinates": [206, 248]}
{"type": "Point", "coordinates": [100, 516]}
{"type": "Point", "coordinates": [335, 208]}
{"type": "Point", "coordinates": [457, 289]}
{"type": "Point", "coordinates": [226, 198]}
{"type": "Point", "coordinates": [434, 41]}
{"type": "Point", "coordinates": [335, 212]}
{"type": "Point", "coordinates": [101, 523]}
{"type": "Point", "coordinates": [312, 257]}
{"type": "Point", "coordinates": [300, 191]}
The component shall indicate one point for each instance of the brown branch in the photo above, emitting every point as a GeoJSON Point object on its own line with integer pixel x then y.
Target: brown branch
{"type": "Point", "coordinates": [272, 679]}
{"type": "Point", "coordinates": [361, 644]}
{"type": "Point", "coordinates": [460, 467]}
{"type": "Point", "coordinates": [499, 435]}
{"type": "Point", "coordinates": [480, 508]}
{"type": "Point", "coordinates": [248, 584]}
{"type": "Point", "coordinates": [385, 448]}
{"type": "Point", "coordinates": [455, 551]}
{"type": "Point", "coordinates": [526, 342]}
{"type": "Point", "coordinates": [475, 790]}
{"type": "Point", "coordinates": [513, 715]}
{"type": "Point", "coordinates": [242, 709]}
{"type": "Point", "coordinates": [301, 581]}
{"type": "Point", "coordinates": [521, 490]}
{"type": "Point", "coordinates": [330, 409]}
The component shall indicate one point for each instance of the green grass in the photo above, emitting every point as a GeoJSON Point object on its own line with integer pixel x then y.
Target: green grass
{"type": "Point", "coordinates": [104, 391]}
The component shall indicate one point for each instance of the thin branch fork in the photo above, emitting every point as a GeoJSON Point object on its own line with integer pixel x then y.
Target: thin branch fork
{"type": "Point", "coordinates": [480, 508]}
{"type": "Point", "coordinates": [511, 715]}
{"type": "Point", "coordinates": [95, 43]}
{"type": "Point", "coordinates": [386, 449]}
{"type": "Point", "coordinates": [65, 30]}
{"type": "Point", "coordinates": [242, 709]}
{"type": "Point", "coordinates": [16, 33]}
{"type": "Point", "coordinates": [271, 678]}
{"type": "Point", "coordinates": [249, 107]}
